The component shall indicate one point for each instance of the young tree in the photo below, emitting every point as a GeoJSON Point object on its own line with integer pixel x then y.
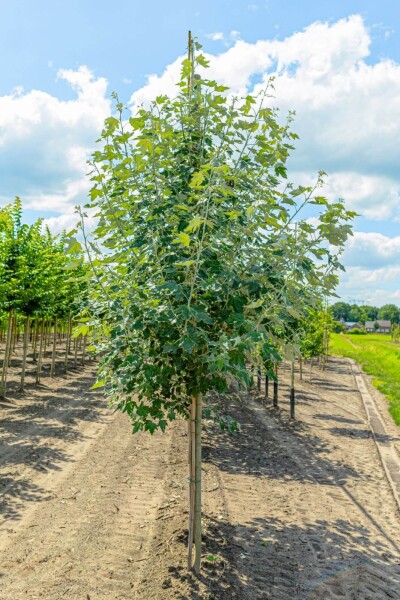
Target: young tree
{"type": "Point", "coordinates": [200, 253]}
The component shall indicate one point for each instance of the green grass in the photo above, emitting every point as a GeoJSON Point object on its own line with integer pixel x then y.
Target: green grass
{"type": "Point", "coordinates": [379, 357]}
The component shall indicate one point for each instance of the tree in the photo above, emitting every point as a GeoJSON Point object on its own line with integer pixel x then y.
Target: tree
{"type": "Point", "coordinates": [206, 255]}
{"type": "Point", "coordinates": [340, 311]}
{"type": "Point", "coordinates": [36, 282]}
{"type": "Point", "coordinates": [389, 312]}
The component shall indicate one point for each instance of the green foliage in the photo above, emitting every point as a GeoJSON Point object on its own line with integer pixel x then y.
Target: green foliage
{"type": "Point", "coordinates": [36, 279]}
{"type": "Point", "coordinates": [338, 327]}
{"type": "Point", "coordinates": [315, 330]}
{"type": "Point", "coordinates": [379, 357]}
{"type": "Point", "coordinates": [356, 331]}
{"type": "Point", "coordinates": [360, 314]}
{"type": "Point", "coordinates": [389, 312]}
{"type": "Point", "coordinates": [201, 258]}
{"type": "Point", "coordinates": [395, 333]}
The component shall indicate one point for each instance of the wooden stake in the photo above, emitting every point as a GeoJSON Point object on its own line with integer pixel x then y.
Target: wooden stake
{"type": "Point", "coordinates": [292, 396]}
{"type": "Point", "coordinates": [192, 483]}
{"type": "Point", "coordinates": [25, 352]}
{"type": "Point", "coordinates": [53, 357]}
{"type": "Point", "coordinates": [197, 504]}
{"type": "Point", "coordinates": [3, 383]}
{"type": "Point", "coordinates": [39, 362]}
{"type": "Point", "coordinates": [276, 387]}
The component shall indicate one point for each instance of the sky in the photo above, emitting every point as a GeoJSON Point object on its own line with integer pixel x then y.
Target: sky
{"type": "Point", "coordinates": [337, 64]}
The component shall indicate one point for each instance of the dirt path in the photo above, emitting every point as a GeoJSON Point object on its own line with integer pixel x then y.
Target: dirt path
{"type": "Point", "coordinates": [79, 495]}
{"type": "Point", "coordinates": [292, 509]}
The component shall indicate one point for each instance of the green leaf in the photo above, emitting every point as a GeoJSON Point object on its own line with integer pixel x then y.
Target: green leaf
{"type": "Point", "coordinates": [183, 239]}
{"type": "Point", "coordinates": [195, 223]}
{"type": "Point", "coordinates": [97, 385]}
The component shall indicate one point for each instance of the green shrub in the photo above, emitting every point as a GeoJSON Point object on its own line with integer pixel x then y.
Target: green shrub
{"type": "Point", "coordinates": [338, 327]}
{"type": "Point", "coordinates": [357, 331]}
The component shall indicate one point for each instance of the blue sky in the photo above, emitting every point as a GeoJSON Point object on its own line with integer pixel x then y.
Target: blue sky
{"type": "Point", "coordinates": [337, 64]}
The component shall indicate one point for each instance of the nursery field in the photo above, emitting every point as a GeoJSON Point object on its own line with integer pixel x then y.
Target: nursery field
{"type": "Point", "coordinates": [292, 509]}
{"type": "Point", "coordinates": [379, 356]}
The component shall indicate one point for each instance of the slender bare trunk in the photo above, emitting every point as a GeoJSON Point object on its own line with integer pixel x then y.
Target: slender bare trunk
{"type": "Point", "coordinates": [67, 344]}
{"type": "Point", "coordinates": [25, 352]}
{"type": "Point", "coordinates": [3, 383]}
{"type": "Point", "coordinates": [301, 368]}
{"type": "Point", "coordinates": [192, 456]}
{"type": "Point", "coordinates": [292, 392]}
{"type": "Point", "coordinates": [35, 339]}
{"type": "Point", "coordinates": [53, 357]}
{"type": "Point", "coordinates": [39, 362]}
{"type": "Point", "coordinates": [197, 500]}
{"type": "Point", "coordinates": [76, 352]}
{"type": "Point", "coordinates": [12, 339]}
{"type": "Point", "coordinates": [84, 343]}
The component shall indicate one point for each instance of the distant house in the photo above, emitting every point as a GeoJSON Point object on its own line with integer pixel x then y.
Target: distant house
{"type": "Point", "coordinates": [352, 325]}
{"type": "Point", "coordinates": [378, 326]}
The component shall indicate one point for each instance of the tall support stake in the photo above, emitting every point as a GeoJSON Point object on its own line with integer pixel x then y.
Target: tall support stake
{"type": "Point", "coordinates": [53, 356]}
{"type": "Point", "coordinates": [197, 503]}
{"type": "Point", "coordinates": [67, 343]}
{"type": "Point", "coordinates": [40, 356]}
{"type": "Point", "coordinates": [292, 393]}
{"type": "Point", "coordinates": [259, 380]}
{"type": "Point", "coordinates": [25, 352]}
{"type": "Point", "coordinates": [192, 485]}
{"type": "Point", "coordinates": [3, 385]}
{"type": "Point", "coordinates": [266, 385]}
{"type": "Point", "coordinates": [276, 386]}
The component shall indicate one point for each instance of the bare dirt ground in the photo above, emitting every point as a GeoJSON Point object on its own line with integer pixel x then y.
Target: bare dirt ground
{"type": "Point", "coordinates": [298, 509]}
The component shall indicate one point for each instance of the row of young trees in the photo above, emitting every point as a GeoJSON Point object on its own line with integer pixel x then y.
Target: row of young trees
{"type": "Point", "coordinates": [39, 293]}
{"type": "Point", "coordinates": [203, 258]}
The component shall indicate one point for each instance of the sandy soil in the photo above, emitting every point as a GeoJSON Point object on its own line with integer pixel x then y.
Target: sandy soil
{"type": "Point", "coordinates": [291, 509]}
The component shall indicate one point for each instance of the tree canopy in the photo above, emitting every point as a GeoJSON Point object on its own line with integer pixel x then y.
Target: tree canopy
{"type": "Point", "coordinates": [201, 253]}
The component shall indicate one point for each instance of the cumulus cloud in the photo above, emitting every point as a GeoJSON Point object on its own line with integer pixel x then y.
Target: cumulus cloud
{"type": "Point", "coordinates": [372, 286]}
{"type": "Point", "coordinates": [372, 250]}
{"type": "Point", "coordinates": [347, 109]}
{"type": "Point", "coordinates": [372, 263]}
{"type": "Point", "coordinates": [218, 35]}
{"type": "Point", "coordinates": [45, 141]}
{"type": "Point", "coordinates": [346, 105]}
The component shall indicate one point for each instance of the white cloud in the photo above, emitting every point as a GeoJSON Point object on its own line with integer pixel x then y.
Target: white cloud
{"type": "Point", "coordinates": [375, 197]}
{"type": "Point", "coordinates": [376, 287]}
{"type": "Point", "coordinates": [372, 251]}
{"type": "Point", "coordinates": [347, 111]}
{"type": "Point", "coordinates": [347, 108]}
{"type": "Point", "coordinates": [61, 223]}
{"type": "Point", "coordinates": [45, 141]}
{"type": "Point", "coordinates": [218, 35]}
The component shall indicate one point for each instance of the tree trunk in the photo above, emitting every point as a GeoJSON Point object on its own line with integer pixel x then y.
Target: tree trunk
{"type": "Point", "coordinates": [53, 357]}
{"type": "Point", "coordinates": [12, 339]}
{"type": "Point", "coordinates": [25, 352]}
{"type": "Point", "coordinates": [192, 485]}
{"type": "Point", "coordinates": [39, 362]}
{"type": "Point", "coordinates": [84, 343]}
{"type": "Point", "coordinates": [301, 368]}
{"type": "Point", "coordinates": [76, 352]}
{"type": "Point", "coordinates": [292, 393]}
{"type": "Point", "coordinates": [197, 500]}
{"type": "Point", "coordinates": [35, 339]}
{"type": "Point", "coordinates": [67, 343]}
{"type": "Point", "coordinates": [3, 383]}
{"type": "Point", "coordinates": [275, 401]}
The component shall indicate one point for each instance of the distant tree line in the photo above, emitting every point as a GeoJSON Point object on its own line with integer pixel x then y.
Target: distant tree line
{"type": "Point", "coordinates": [360, 314]}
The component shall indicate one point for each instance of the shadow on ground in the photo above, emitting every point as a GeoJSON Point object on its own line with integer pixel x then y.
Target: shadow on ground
{"type": "Point", "coordinates": [267, 559]}
{"type": "Point", "coordinates": [34, 427]}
